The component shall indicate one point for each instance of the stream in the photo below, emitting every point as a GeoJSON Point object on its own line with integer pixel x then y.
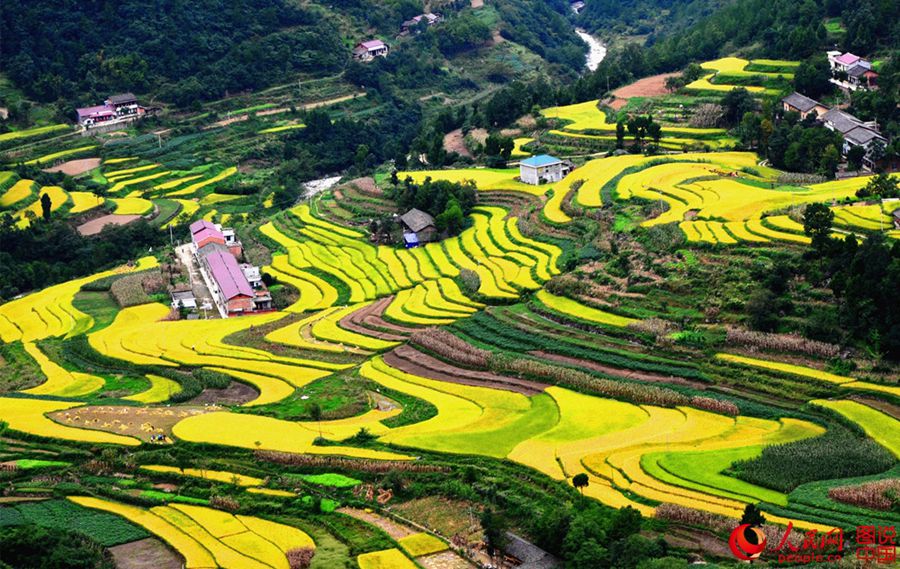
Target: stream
{"type": "Point", "coordinates": [597, 50]}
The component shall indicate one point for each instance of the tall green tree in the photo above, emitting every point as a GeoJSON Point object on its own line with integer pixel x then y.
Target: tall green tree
{"type": "Point", "coordinates": [46, 206]}
{"type": "Point", "coordinates": [817, 221]}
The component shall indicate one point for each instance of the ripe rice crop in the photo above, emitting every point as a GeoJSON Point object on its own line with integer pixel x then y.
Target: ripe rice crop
{"type": "Point", "coordinates": [161, 389]}
{"type": "Point", "coordinates": [31, 132]}
{"type": "Point", "coordinates": [127, 172]}
{"type": "Point", "coordinates": [84, 201]}
{"type": "Point", "coordinates": [202, 184]}
{"type": "Point", "coordinates": [61, 382]}
{"type": "Point", "coordinates": [58, 198]}
{"type": "Point", "coordinates": [786, 368]}
{"type": "Point", "coordinates": [879, 426]}
{"type": "Point", "coordinates": [216, 475]}
{"type": "Point", "coordinates": [386, 559]}
{"type": "Point", "coordinates": [28, 416]}
{"type": "Point", "coordinates": [579, 311]}
{"type": "Point", "coordinates": [327, 329]}
{"type": "Point", "coordinates": [131, 206]}
{"type": "Point", "coordinates": [17, 192]}
{"type": "Point", "coordinates": [419, 544]}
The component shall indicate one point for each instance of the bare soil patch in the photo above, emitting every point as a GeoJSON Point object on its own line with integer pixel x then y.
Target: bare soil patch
{"type": "Point", "coordinates": [147, 553]}
{"type": "Point", "coordinates": [444, 516]}
{"type": "Point", "coordinates": [444, 560]}
{"type": "Point", "coordinates": [353, 321]}
{"type": "Point", "coordinates": [653, 86]}
{"type": "Point", "coordinates": [454, 141]}
{"type": "Point", "coordinates": [883, 406]}
{"type": "Point", "coordinates": [235, 394]}
{"type": "Point", "coordinates": [479, 135]}
{"type": "Point", "coordinates": [390, 527]}
{"type": "Point", "coordinates": [76, 167]}
{"type": "Point", "coordinates": [415, 362]}
{"type": "Point", "coordinates": [139, 422]}
{"type": "Point", "coordinates": [95, 226]}
{"type": "Point", "coordinates": [366, 185]}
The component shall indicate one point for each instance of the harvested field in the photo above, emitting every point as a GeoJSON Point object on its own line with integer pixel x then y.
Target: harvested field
{"type": "Point", "coordinates": [444, 560]}
{"type": "Point", "coordinates": [76, 167]}
{"type": "Point", "coordinates": [366, 185]}
{"type": "Point", "coordinates": [617, 372]}
{"type": "Point", "coordinates": [149, 553]}
{"type": "Point", "coordinates": [354, 321]}
{"type": "Point", "coordinates": [236, 393]}
{"type": "Point", "coordinates": [140, 422]}
{"type": "Point", "coordinates": [389, 526]}
{"type": "Point", "coordinates": [646, 87]}
{"type": "Point", "coordinates": [95, 226]}
{"type": "Point", "coordinates": [414, 362]}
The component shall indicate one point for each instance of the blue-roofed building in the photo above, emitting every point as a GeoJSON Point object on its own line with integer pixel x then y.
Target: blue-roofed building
{"type": "Point", "coordinates": [543, 169]}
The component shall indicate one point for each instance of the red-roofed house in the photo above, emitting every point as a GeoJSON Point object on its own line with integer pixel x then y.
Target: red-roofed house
{"type": "Point", "coordinates": [230, 286]}
{"type": "Point", "coordinates": [369, 50]}
{"type": "Point", "coordinates": [117, 108]}
{"type": "Point", "coordinates": [851, 71]}
{"type": "Point", "coordinates": [204, 232]}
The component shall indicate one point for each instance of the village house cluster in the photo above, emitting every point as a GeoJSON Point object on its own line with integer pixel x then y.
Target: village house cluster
{"type": "Point", "coordinates": [370, 49]}
{"type": "Point", "coordinates": [851, 72]}
{"type": "Point", "coordinates": [117, 109]}
{"type": "Point", "coordinates": [237, 288]}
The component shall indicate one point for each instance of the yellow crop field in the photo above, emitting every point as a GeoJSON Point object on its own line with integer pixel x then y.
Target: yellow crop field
{"type": "Point", "coordinates": [168, 185]}
{"type": "Point", "coordinates": [120, 185]}
{"type": "Point", "coordinates": [216, 475]}
{"type": "Point", "coordinates": [84, 201]}
{"type": "Point", "coordinates": [281, 128]}
{"type": "Point", "coordinates": [17, 192]}
{"type": "Point", "coordinates": [27, 133]}
{"type": "Point", "coordinates": [419, 544]}
{"type": "Point", "coordinates": [572, 308]}
{"type": "Point", "coordinates": [518, 150]}
{"type": "Point", "coordinates": [786, 368]}
{"type": "Point", "coordinates": [123, 173]}
{"type": "Point", "coordinates": [386, 559]}
{"type": "Point", "coordinates": [196, 556]}
{"type": "Point", "coordinates": [582, 116]}
{"type": "Point", "coordinates": [61, 382]}
{"type": "Point", "coordinates": [283, 536]}
{"type": "Point", "coordinates": [329, 330]}
{"type": "Point", "coordinates": [49, 158]}
{"type": "Point", "coordinates": [58, 198]}
{"type": "Point", "coordinates": [272, 492]}
{"type": "Point", "coordinates": [212, 199]}
{"type": "Point", "coordinates": [271, 389]}
{"type": "Point", "coordinates": [267, 433]}
{"type": "Point", "coordinates": [49, 312]}
{"type": "Point", "coordinates": [132, 206]}
{"type": "Point", "coordinates": [161, 389]}
{"type": "Point", "coordinates": [880, 426]}
{"type": "Point", "coordinates": [28, 416]}
{"type": "Point", "coordinates": [216, 522]}
{"type": "Point", "coordinates": [119, 160]}
{"type": "Point", "coordinates": [485, 179]}
{"type": "Point", "coordinates": [756, 226]}
{"type": "Point", "coordinates": [226, 173]}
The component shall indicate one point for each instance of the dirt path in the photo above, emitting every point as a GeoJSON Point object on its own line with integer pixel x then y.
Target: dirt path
{"type": "Point", "coordinates": [390, 527]}
{"type": "Point", "coordinates": [354, 321]}
{"type": "Point", "coordinates": [95, 226]}
{"type": "Point", "coordinates": [76, 167]}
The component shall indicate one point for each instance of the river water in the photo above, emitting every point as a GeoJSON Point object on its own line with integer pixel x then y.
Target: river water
{"type": "Point", "coordinates": [597, 50]}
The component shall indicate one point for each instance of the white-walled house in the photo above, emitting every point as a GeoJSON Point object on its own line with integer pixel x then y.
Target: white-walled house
{"type": "Point", "coordinates": [543, 169]}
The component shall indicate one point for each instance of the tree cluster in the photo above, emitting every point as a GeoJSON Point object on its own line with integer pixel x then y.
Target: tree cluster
{"type": "Point", "coordinates": [448, 202]}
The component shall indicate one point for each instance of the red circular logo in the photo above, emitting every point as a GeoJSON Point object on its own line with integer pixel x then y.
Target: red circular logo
{"type": "Point", "coordinates": [747, 542]}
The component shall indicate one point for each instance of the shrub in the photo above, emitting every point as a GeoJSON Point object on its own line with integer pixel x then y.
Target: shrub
{"type": "Point", "coordinates": [451, 347]}
{"type": "Point", "coordinates": [226, 503]}
{"type": "Point", "coordinates": [300, 557]}
{"type": "Point", "coordinates": [780, 342]}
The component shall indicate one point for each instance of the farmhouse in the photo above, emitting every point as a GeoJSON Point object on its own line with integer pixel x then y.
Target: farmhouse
{"type": "Point", "coordinates": [542, 169]}
{"type": "Point", "coordinates": [851, 72]}
{"type": "Point", "coordinates": [420, 225]}
{"type": "Point", "coordinates": [896, 216]}
{"type": "Point", "coordinates": [184, 299]}
{"type": "Point", "coordinates": [369, 50]}
{"type": "Point", "coordinates": [797, 103]}
{"type": "Point", "coordinates": [116, 109]}
{"type": "Point", "coordinates": [856, 133]}
{"type": "Point", "coordinates": [429, 18]}
{"type": "Point", "coordinates": [237, 288]}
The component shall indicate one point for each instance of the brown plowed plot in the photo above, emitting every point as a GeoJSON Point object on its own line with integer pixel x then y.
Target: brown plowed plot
{"type": "Point", "coordinates": [353, 321]}
{"type": "Point", "coordinates": [147, 553]}
{"type": "Point", "coordinates": [883, 406]}
{"type": "Point", "coordinates": [76, 167]}
{"type": "Point", "coordinates": [372, 320]}
{"type": "Point", "coordinates": [444, 560]}
{"type": "Point", "coordinates": [618, 372]}
{"type": "Point", "coordinates": [389, 526]}
{"type": "Point", "coordinates": [235, 394]}
{"type": "Point", "coordinates": [139, 422]}
{"type": "Point", "coordinates": [366, 185]}
{"type": "Point", "coordinates": [95, 226]}
{"type": "Point", "coordinates": [647, 87]}
{"type": "Point", "coordinates": [415, 362]}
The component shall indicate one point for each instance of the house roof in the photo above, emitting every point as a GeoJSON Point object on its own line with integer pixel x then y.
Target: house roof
{"type": "Point", "coordinates": [847, 59]}
{"type": "Point", "coordinates": [800, 102]}
{"type": "Point", "coordinates": [861, 136]}
{"type": "Point", "coordinates": [122, 99]}
{"type": "Point", "coordinates": [98, 110]}
{"type": "Point", "coordinates": [411, 238]}
{"type": "Point", "coordinates": [540, 160]}
{"type": "Point", "coordinates": [857, 70]}
{"type": "Point", "coordinates": [227, 273]}
{"type": "Point", "coordinates": [416, 220]}
{"type": "Point", "coordinates": [201, 224]}
{"type": "Point", "coordinates": [372, 44]}
{"type": "Point", "coordinates": [531, 556]}
{"type": "Point", "coordinates": [841, 121]}
{"type": "Point", "coordinates": [897, 213]}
